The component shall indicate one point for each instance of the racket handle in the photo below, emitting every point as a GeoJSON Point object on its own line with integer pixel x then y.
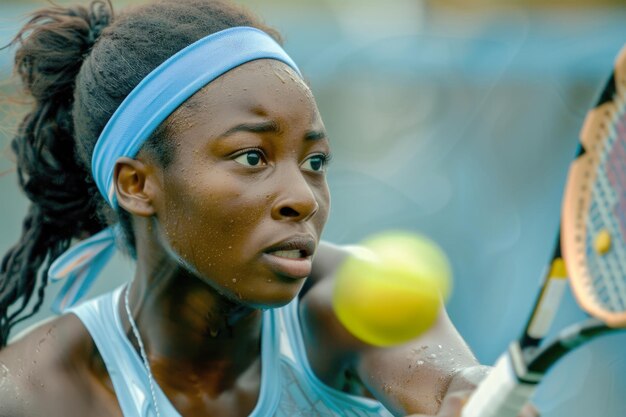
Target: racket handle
{"type": "Point", "coordinates": [501, 394]}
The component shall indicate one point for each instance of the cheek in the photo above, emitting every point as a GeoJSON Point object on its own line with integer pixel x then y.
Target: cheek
{"type": "Point", "coordinates": [208, 222]}
{"type": "Point", "coordinates": [322, 196]}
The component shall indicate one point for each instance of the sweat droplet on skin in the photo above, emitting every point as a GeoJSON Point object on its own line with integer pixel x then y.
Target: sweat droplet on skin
{"type": "Point", "coordinates": [38, 348]}
{"type": "Point", "coordinates": [6, 385]}
{"type": "Point", "coordinates": [279, 77]}
{"type": "Point", "coordinates": [4, 374]}
{"type": "Point", "coordinates": [420, 349]}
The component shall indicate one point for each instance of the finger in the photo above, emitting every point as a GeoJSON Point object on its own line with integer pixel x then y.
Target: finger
{"type": "Point", "coordinates": [453, 404]}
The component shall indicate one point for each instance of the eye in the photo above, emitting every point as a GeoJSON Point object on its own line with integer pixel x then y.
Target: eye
{"type": "Point", "coordinates": [316, 163]}
{"type": "Point", "coordinates": [251, 158]}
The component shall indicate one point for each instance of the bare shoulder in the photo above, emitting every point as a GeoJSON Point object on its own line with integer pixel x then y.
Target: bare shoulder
{"type": "Point", "coordinates": [335, 348]}
{"type": "Point", "coordinates": [328, 256]}
{"type": "Point", "coordinates": [316, 312]}
{"type": "Point", "coordinates": [46, 372]}
{"type": "Point", "coordinates": [316, 303]}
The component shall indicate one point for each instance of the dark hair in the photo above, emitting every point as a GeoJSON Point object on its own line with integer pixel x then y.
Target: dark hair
{"type": "Point", "coordinates": [78, 63]}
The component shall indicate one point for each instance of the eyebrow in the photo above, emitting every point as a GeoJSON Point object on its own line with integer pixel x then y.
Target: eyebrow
{"type": "Point", "coordinates": [262, 127]}
{"type": "Point", "coordinates": [271, 126]}
{"type": "Point", "coordinates": [313, 135]}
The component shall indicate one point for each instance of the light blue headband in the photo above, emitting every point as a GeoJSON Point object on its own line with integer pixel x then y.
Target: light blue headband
{"type": "Point", "coordinates": [144, 109]}
{"type": "Point", "coordinates": [169, 86]}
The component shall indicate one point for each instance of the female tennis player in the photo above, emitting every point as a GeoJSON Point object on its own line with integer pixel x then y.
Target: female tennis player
{"type": "Point", "coordinates": [182, 132]}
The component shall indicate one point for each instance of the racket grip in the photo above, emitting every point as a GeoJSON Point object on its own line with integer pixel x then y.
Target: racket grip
{"type": "Point", "coordinates": [501, 394]}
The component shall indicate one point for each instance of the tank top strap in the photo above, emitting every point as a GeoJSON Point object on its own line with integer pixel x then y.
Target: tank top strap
{"type": "Point", "coordinates": [128, 375]}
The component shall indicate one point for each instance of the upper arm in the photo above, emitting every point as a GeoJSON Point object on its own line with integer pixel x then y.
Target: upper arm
{"type": "Point", "coordinates": [41, 367]}
{"type": "Point", "coordinates": [328, 257]}
{"type": "Point", "coordinates": [15, 397]}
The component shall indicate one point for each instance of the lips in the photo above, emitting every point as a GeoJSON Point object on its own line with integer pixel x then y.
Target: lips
{"type": "Point", "coordinates": [291, 257]}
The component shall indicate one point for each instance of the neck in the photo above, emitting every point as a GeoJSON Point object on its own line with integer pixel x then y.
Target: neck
{"type": "Point", "coordinates": [190, 332]}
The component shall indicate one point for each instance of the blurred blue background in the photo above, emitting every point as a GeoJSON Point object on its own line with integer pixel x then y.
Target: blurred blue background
{"type": "Point", "coordinates": [455, 119]}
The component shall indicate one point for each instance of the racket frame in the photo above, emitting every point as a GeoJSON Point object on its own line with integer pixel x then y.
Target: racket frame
{"type": "Point", "coordinates": [519, 370]}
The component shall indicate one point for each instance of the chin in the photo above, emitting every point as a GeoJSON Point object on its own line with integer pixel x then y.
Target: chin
{"type": "Point", "coordinates": [274, 296]}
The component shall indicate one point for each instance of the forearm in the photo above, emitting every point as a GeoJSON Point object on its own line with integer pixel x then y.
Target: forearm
{"type": "Point", "coordinates": [410, 378]}
{"type": "Point", "coordinates": [416, 377]}
{"type": "Point", "coordinates": [424, 396]}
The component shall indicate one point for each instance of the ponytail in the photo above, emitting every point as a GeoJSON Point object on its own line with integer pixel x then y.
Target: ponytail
{"type": "Point", "coordinates": [50, 50]}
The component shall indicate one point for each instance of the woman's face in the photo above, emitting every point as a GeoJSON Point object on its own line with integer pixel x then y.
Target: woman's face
{"type": "Point", "coordinates": [245, 199]}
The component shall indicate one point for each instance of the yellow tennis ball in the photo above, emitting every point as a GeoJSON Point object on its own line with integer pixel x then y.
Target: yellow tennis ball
{"type": "Point", "coordinates": [391, 289]}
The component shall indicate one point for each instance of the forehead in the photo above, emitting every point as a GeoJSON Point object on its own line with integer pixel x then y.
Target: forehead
{"type": "Point", "coordinates": [265, 86]}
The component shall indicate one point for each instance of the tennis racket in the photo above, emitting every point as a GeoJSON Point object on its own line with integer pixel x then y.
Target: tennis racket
{"type": "Point", "coordinates": [590, 250]}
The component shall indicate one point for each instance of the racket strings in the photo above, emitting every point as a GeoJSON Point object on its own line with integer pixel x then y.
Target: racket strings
{"type": "Point", "coordinates": [607, 211]}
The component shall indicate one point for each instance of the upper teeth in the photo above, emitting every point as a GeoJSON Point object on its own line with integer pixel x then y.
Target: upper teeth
{"type": "Point", "coordinates": [288, 253]}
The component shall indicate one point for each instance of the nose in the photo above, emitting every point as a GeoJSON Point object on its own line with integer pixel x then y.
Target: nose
{"type": "Point", "coordinates": [295, 199]}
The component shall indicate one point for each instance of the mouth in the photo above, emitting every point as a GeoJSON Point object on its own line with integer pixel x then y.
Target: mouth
{"type": "Point", "coordinates": [291, 257]}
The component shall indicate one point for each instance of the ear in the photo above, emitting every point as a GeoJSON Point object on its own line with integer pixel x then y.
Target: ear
{"type": "Point", "coordinates": [135, 186]}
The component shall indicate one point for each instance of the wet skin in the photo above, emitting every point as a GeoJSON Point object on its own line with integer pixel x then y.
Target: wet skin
{"type": "Point", "coordinates": [248, 174]}
{"type": "Point", "coordinates": [248, 177]}
{"type": "Point", "coordinates": [245, 178]}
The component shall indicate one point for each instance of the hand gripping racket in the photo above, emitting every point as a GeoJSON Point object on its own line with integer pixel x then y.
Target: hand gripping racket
{"type": "Point", "coordinates": [590, 250]}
